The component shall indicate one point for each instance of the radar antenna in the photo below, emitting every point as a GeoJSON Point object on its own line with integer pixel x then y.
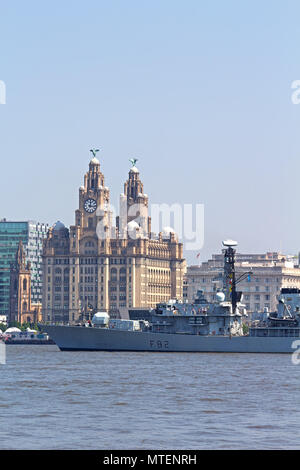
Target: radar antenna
{"type": "Point", "coordinates": [229, 273]}
{"type": "Point", "coordinates": [229, 280]}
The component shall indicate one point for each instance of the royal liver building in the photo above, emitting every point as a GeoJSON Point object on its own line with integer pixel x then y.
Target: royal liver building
{"type": "Point", "coordinates": [99, 264]}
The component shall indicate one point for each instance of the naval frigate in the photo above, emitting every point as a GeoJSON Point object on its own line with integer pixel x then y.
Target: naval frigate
{"type": "Point", "coordinates": [200, 326]}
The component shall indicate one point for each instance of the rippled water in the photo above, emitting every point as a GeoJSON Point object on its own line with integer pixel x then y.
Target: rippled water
{"type": "Point", "coordinates": [118, 400]}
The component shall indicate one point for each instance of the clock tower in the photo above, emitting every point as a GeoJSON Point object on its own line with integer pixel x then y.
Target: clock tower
{"type": "Point", "coordinates": [93, 201]}
{"type": "Point", "coordinates": [89, 240]}
{"type": "Point", "coordinates": [100, 264]}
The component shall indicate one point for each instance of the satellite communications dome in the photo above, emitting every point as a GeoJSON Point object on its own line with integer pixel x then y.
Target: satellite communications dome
{"type": "Point", "coordinates": [220, 296]}
{"type": "Point", "coordinates": [100, 318]}
{"type": "Point", "coordinates": [229, 243]}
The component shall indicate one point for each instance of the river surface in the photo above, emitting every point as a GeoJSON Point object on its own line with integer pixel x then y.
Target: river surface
{"type": "Point", "coordinates": [124, 400]}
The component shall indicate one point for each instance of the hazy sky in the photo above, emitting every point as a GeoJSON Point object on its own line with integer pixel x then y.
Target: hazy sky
{"type": "Point", "coordinates": [199, 91]}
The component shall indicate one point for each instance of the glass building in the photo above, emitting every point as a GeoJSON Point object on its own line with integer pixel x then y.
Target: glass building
{"type": "Point", "coordinates": [32, 235]}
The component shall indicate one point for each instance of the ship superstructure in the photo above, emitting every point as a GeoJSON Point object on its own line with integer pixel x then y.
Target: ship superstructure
{"type": "Point", "coordinates": [201, 326]}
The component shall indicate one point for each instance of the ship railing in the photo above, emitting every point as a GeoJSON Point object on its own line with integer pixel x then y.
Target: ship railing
{"type": "Point", "coordinates": [275, 332]}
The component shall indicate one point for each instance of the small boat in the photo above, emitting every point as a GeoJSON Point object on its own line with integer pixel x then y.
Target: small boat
{"type": "Point", "coordinates": [16, 336]}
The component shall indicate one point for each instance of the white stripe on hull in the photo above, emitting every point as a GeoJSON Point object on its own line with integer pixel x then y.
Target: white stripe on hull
{"type": "Point", "coordinates": [97, 339]}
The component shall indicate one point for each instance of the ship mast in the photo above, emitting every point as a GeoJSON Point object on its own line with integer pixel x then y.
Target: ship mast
{"type": "Point", "coordinates": [229, 281]}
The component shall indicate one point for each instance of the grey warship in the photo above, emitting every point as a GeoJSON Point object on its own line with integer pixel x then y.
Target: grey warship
{"type": "Point", "coordinates": [197, 327]}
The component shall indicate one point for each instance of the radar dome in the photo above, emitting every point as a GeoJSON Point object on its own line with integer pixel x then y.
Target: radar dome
{"type": "Point", "coordinates": [229, 243]}
{"type": "Point", "coordinates": [220, 296]}
{"type": "Point", "coordinates": [100, 318]}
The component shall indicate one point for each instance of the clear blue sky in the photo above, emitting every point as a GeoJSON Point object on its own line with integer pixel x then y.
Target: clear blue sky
{"type": "Point", "coordinates": [199, 91]}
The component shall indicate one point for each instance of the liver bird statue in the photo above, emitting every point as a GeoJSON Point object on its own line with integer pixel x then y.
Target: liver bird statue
{"type": "Point", "coordinates": [94, 151]}
{"type": "Point", "coordinates": [133, 161]}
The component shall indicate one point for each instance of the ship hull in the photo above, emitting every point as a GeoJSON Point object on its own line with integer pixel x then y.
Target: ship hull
{"type": "Point", "coordinates": [69, 338]}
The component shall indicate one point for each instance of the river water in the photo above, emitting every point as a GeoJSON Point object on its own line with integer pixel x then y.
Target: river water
{"type": "Point", "coordinates": [123, 400]}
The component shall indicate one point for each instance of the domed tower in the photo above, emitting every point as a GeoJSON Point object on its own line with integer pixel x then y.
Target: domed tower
{"type": "Point", "coordinates": [93, 199]}
{"type": "Point", "coordinates": [134, 203]}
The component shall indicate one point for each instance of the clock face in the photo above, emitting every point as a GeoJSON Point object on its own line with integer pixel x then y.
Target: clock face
{"type": "Point", "coordinates": [90, 205]}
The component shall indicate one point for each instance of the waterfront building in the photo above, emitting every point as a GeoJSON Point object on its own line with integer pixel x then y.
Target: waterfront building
{"type": "Point", "coordinates": [270, 273]}
{"type": "Point", "coordinates": [99, 265]}
{"type": "Point", "coordinates": [31, 234]}
{"type": "Point", "coordinates": [22, 309]}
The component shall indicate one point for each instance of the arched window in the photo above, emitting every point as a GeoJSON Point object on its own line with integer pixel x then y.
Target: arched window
{"type": "Point", "coordinates": [24, 306]}
{"type": "Point", "coordinates": [113, 274]}
{"type": "Point", "coordinates": [25, 285]}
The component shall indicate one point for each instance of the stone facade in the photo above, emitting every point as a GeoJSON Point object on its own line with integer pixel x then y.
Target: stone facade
{"type": "Point", "coordinates": [270, 273]}
{"type": "Point", "coordinates": [96, 265]}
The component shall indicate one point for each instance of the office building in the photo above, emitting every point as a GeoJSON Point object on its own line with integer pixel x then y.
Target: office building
{"type": "Point", "coordinates": [31, 234]}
